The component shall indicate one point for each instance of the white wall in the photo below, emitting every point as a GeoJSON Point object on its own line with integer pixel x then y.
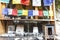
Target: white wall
{"type": "Point", "coordinates": [57, 27]}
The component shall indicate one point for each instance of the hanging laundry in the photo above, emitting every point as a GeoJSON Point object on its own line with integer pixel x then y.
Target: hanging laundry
{"type": "Point", "coordinates": [51, 1]}
{"type": "Point", "coordinates": [47, 2]}
{"type": "Point", "coordinates": [45, 13]}
{"type": "Point", "coordinates": [30, 13]}
{"type": "Point", "coordinates": [25, 2]}
{"type": "Point", "coordinates": [16, 1]}
{"type": "Point", "coordinates": [5, 11]}
{"type": "Point", "coordinates": [51, 13]}
{"type": "Point", "coordinates": [9, 11]}
{"type": "Point", "coordinates": [14, 12]}
{"type": "Point", "coordinates": [40, 12]}
{"type": "Point", "coordinates": [36, 2]}
{"type": "Point", "coordinates": [19, 12]}
{"type": "Point", "coordinates": [4, 1]}
{"type": "Point", "coordinates": [35, 12]}
{"type": "Point", "coordinates": [25, 12]}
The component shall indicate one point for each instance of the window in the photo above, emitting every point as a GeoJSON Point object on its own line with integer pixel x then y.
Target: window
{"type": "Point", "coordinates": [49, 31]}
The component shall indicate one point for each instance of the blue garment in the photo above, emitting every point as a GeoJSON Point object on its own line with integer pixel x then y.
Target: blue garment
{"type": "Point", "coordinates": [51, 1]}
{"type": "Point", "coordinates": [5, 11]}
{"type": "Point", "coordinates": [5, 1]}
{"type": "Point", "coordinates": [47, 2]}
{"type": "Point", "coordinates": [30, 12]}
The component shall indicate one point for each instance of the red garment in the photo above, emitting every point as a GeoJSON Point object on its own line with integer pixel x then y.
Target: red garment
{"type": "Point", "coordinates": [40, 12]}
{"type": "Point", "coordinates": [25, 2]}
{"type": "Point", "coordinates": [14, 12]}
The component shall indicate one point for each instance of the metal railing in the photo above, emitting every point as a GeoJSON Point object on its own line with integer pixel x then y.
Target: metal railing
{"type": "Point", "coordinates": [27, 36]}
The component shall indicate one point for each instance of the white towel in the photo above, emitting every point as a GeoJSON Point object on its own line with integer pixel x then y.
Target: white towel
{"type": "Point", "coordinates": [36, 2]}
{"type": "Point", "coordinates": [35, 12]}
{"type": "Point", "coordinates": [9, 11]}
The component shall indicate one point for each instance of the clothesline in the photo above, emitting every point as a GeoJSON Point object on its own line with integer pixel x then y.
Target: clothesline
{"type": "Point", "coordinates": [27, 2]}
{"type": "Point", "coordinates": [16, 12]}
